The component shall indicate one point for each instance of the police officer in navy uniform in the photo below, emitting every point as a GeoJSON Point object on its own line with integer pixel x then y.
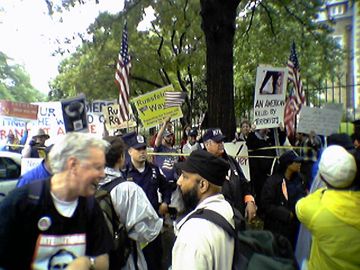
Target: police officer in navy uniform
{"type": "Point", "coordinates": [149, 177]}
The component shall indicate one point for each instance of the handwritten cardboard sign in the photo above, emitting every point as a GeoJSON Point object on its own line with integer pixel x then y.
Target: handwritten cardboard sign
{"type": "Point", "coordinates": [323, 121]}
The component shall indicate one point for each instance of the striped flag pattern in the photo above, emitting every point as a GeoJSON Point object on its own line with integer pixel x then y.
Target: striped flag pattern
{"type": "Point", "coordinates": [297, 96]}
{"type": "Point", "coordinates": [295, 78]}
{"type": "Point", "coordinates": [174, 99]}
{"type": "Point", "coordinates": [290, 117]}
{"type": "Point", "coordinates": [123, 66]}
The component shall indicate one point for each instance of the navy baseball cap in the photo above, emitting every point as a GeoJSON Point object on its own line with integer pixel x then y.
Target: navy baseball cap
{"type": "Point", "coordinates": [214, 134]}
{"type": "Point", "coordinates": [134, 140]}
{"type": "Point", "coordinates": [289, 157]}
{"type": "Point", "coordinates": [193, 132]}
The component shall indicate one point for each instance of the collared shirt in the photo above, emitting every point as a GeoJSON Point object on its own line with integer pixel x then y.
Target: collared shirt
{"type": "Point", "coordinates": [200, 244]}
{"type": "Point", "coordinates": [151, 180]}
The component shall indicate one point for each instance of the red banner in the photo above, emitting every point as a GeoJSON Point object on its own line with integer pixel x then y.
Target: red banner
{"type": "Point", "coordinates": [18, 109]}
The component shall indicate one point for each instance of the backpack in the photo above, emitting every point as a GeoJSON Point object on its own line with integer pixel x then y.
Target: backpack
{"type": "Point", "coordinates": [254, 249]}
{"type": "Point", "coordinates": [123, 246]}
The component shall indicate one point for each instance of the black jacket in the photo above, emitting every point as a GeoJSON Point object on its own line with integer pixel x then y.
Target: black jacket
{"type": "Point", "coordinates": [237, 187]}
{"type": "Point", "coordinates": [277, 208]}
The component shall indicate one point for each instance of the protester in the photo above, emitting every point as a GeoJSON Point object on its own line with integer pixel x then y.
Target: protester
{"type": "Point", "coordinates": [13, 144]}
{"type": "Point", "coordinates": [331, 214]}
{"type": "Point", "coordinates": [200, 244]}
{"type": "Point", "coordinates": [164, 144]}
{"type": "Point", "coordinates": [36, 146]}
{"type": "Point", "coordinates": [40, 172]}
{"type": "Point", "coordinates": [312, 146]}
{"type": "Point", "coordinates": [130, 203]}
{"type": "Point", "coordinates": [262, 161]}
{"type": "Point", "coordinates": [190, 142]}
{"type": "Point", "coordinates": [245, 128]}
{"type": "Point", "coordinates": [355, 137]}
{"type": "Point", "coordinates": [149, 178]}
{"type": "Point", "coordinates": [280, 193]}
{"type": "Point", "coordinates": [236, 188]}
{"type": "Point", "coordinates": [42, 218]}
{"type": "Point", "coordinates": [303, 245]}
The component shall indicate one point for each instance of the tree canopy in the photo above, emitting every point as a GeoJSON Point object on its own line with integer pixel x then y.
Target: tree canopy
{"type": "Point", "coordinates": [15, 83]}
{"type": "Point", "coordinates": [186, 41]}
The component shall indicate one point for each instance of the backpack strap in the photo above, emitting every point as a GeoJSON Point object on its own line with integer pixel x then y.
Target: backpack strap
{"type": "Point", "coordinates": [215, 218]}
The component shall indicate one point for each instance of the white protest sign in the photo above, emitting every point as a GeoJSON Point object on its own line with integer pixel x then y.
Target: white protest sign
{"type": "Point", "coordinates": [113, 122]}
{"type": "Point", "coordinates": [269, 101]}
{"type": "Point", "coordinates": [95, 116]}
{"type": "Point", "coordinates": [29, 163]}
{"type": "Point", "coordinates": [323, 121]}
{"type": "Point", "coordinates": [49, 118]}
{"type": "Point", "coordinates": [239, 151]}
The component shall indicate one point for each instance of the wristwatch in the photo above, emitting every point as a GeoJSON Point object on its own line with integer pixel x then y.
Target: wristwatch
{"type": "Point", "coordinates": [92, 263]}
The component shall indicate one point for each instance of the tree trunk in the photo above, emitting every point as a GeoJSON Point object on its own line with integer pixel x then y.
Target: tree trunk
{"type": "Point", "coordinates": [218, 24]}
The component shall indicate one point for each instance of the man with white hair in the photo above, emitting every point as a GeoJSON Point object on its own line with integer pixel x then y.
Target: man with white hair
{"type": "Point", "coordinates": [331, 213]}
{"type": "Point", "coordinates": [39, 219]}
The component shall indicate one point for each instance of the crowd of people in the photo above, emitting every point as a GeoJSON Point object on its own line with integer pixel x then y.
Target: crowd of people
{"type": "Point", "coordinates": [309, 194]}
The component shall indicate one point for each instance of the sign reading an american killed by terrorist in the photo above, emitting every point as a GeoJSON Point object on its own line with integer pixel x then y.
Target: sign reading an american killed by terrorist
{"type": "Point", "coordinates": [269, 99]}
{"type": "Point", "coordinates": [151, 107]}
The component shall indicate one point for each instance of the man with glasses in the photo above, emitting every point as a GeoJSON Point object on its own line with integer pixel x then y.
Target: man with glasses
{"type": "Point", "coordinates": [60, 213]}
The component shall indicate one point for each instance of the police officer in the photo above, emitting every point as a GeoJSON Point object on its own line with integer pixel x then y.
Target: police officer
{"type": "Point", "coordinates": [149, 177]}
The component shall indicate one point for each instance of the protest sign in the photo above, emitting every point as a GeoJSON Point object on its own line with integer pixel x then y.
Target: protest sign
{"type": "Point", "coordinates": [113, 122]}
{"type": "Point", "coordinates": [49, 118]}
{"type": "Point", "coordinates": [323, 121]}
{"type": "Point", "coordinates": [18, 109]}
{"type": "Point", "coordinates": [269, 99]}
{"type": "Point", "coordinates": [95, 116]}
{"type": "Point", "coordinates": [74, 113]}
{"type": "Point", "coordinates": [151, 107]}
{"type": "Point", "coordinates": [239, 151]}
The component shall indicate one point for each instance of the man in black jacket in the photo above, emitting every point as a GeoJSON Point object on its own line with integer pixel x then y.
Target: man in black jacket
{"type": "Point", "coordinates": [236, 189]}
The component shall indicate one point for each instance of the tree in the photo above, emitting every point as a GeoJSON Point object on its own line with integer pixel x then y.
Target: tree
{"type": "Point", "coordinates": [15, 83]}
{"type": "Point", "coordinates": [263, 32]}
{"type": "Point", "coordinates": [218, 24]}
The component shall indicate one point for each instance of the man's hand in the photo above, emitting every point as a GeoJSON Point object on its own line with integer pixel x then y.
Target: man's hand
{"type": "Point", "coordinates": [250, 211]}
{"type": "Point", "coordinates": [163, 209]}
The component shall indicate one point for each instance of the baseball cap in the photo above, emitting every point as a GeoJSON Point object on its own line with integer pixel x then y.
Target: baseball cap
{"type": "Point", "coordinates": [214, 134]}
{"type": "Point", "coordinates": [167, 133]}
{"type": "Point", "coordinates": [193, 133]}
{"type": "Point", "coordinates": [337, 167]}
{"type": "Point", "coordinates": [289, 157]}
{"type": "Point", "coordinates": [210, 167]}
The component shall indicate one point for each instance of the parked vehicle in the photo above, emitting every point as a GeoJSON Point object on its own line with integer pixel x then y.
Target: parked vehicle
{"type": "Point", "coordinates": [10, 171]}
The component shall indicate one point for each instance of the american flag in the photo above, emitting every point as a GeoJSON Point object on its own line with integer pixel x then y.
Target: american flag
{"type": "Point", "coordinates": [122, 77]}
{"type": "Point", "coordinates": [291, 109]}
{"type": "Point", "coordinates": [297, 96]}
{"type": "Point", "coordinates": [174, 99]}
